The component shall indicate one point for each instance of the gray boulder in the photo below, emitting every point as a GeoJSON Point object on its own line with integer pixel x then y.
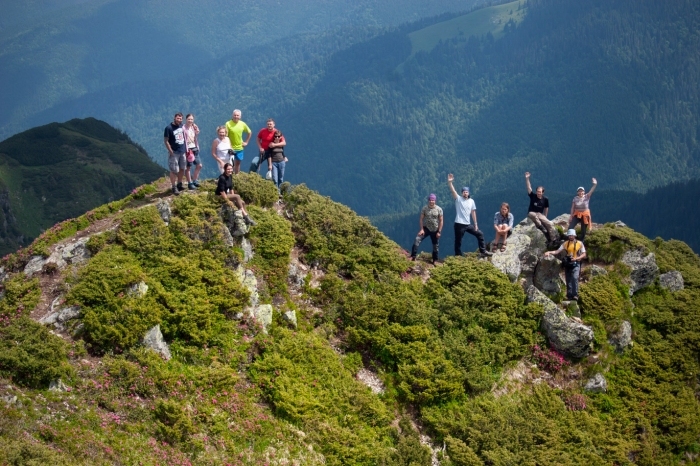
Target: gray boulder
{"type": "Point", "coordinates": [58, 386]}
{"type": "Point", "coordinates": [35, 264]}
{"type": "Point", "coordinates": [291, 317]}
{"type": "Point", "coordinates": [228, 239]}
{"type": "Point", "coordinates": [525, 246]}
{"type": "Point", "coordinates": [163, 207]}
{"type": "Point", "coordinates": [596, 384]}
{"type": "Point", "coordinates": [263, 315]}
{"type": "Point", "coordinates": [620, 224]}
{"type": "Point", "coordinates": [562, 221]}
{"type": "Point", "coordinates": [621, 339]}
{"type": "Point", "coordinates": [138, 289]}
{"type": "Point", "coordinates": [643, 269]}
{"type": "Point", "coordinates": [594, 270]}
{"type": "Point", "coordinates": [672, 281]}
{"type": "Point", "coordinates": [297, 273]}
{"type": "Point", "coordinates": [154, 340]}
{"type": "Point", "coordinates": [248, 280]}
{"type": "Point", "coordinates": [567, 335]}
{"type": "Point", "coordinates": [233, 219]}
{"type": "Point", "coordinates": [247, 249]}
{"type": "Point", "coordinates": [3, 274]}
{"type": "Point", "coordinates": [547, 276]}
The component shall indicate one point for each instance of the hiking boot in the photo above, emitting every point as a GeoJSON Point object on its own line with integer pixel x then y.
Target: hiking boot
{"type": "Point", "coordinates": [485, 253]}
{"type": "Point", "coordinates": [176, 191]}
{"type": "Point", "coordinates": [179, 187]}
{"type": "Point", "coordinates": [196, 183]}
{"type": "Point", "coordinates": [250, 221]}
{"type": "Point", "coordinates": [191, 186]}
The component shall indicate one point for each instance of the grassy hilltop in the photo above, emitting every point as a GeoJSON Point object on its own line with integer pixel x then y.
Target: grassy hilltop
{"type": "Point", "coordinates": [455, 350]}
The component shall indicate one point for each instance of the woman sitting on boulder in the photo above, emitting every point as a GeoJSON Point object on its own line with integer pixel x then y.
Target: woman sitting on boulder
{"type": "Point", "coordinates": [224, 188]}
{"type": "Point", "coordinates": [503, 224]}
{"type": "Point", "coordinates": [580, 212]}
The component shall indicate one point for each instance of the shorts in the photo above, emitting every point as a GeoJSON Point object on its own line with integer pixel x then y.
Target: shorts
{"type": "Point", "coordinates": [177, 162]}
{"type": "Point", "coordinates": [197, 161]}
{"type": "Point", "coordinates": [225, 160]}
{"type": "Point", "coordinates": [238, 154]}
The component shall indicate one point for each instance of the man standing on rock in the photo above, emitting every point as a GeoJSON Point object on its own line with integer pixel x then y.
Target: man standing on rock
{"type": "Point", "coordinates": [538, 210]}
{"type": "Point", "coordinates": [174, 138]}
{"type": "Point", "coordinates": [466, 207]}
{"type": "Point", "coordinates": [575, 253]}
{"type": "Point", "coordinates": [430, 225]}
{"type": "Point", "coordinates": [235, 128]}
{"type": "Point", "coordinates": [266, 142]}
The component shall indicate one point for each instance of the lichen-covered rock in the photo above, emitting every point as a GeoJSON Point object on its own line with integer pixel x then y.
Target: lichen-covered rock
{"type": "Point", "coordinates": [228, 239]}
{"type": "Point", "coordinates": [138, 289]}
{"type": "Point", "coordinates": [233, 219]}
{"type": "Point", "coordinates": [3, 274]}
{"type": "Point", "coordinates": [291, 317]}
{"type": "Point", "coordinates": [163, 207]}
{"type": "Point", "coordinates": [621, 339]}
{"type": "Point", "coordinates": [58, 386]}
{"type": "Point", "coordinates": [596, 384]}
{"type": "Point", "coordinates": [593, 271]}
{"type": "Point", "coordinates": [566, 335]}
{"type": "Point", "coordinates": [35, 264]}
{"type": "Point", "coordinates": [525, 246]}
{"type": "Point", "coordinates": [297, 273]}
{"type": "Point", "coordinates": [154, 340]}
{"type": "Point", "coordinates": [263, 315]}
{"type": "Point", "coordinates": [247, 279]}
{"type": "Point", "coordinates": [620, 224]}
{"type": "Point", "coordinates": [643, 269]}
{"type": "Point", "coordinates": [672, 281]}
{"type": "Point", "coordinates": [547, 276]}
{"type": "Point", "coordinates": [562, 221]}
{"type": "Point", "coordinates": [247, 249]}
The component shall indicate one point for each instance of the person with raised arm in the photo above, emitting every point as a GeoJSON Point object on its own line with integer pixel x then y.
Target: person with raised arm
{"type": "Point", "coordinates": [538, 210]}
{"type": "Point", "coordinates": [224, 188]}
{"type": "Point", "coordinates": [465, 208]}
{"type": "Point", "coordinates": [575, 253]}
{"type": "Point", "coordinates": [431, 221]}
{"type": "Point", "coordinates": [580, 209]}
{"type": "Point", "coordinates": [503, 224]}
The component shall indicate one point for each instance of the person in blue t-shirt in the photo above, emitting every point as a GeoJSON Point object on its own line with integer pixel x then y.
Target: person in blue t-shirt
{"type": "Point", "coordinates": [466, 207]}
{"type": "Point", "coordinates": [174, 139]}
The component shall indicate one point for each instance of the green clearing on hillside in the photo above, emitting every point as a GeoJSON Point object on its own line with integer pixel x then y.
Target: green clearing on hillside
{"type": "Point", "coordinates": [478, 23]}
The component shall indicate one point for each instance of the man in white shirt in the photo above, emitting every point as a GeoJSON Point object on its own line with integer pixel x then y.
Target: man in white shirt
{"type": "Point", "coordinates": [466, 207]}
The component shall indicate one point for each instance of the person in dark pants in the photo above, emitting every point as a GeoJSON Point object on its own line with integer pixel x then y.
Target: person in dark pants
{"type": "Point", "coordinates": [431, 225]}
{"type": "Point", "coordinates": [224, 188]}
{"type": "Point", "coordinates": [580, 211]}
{"type": "Point", "coordinates": [575, 253]}
{"type": "Point", "coordinates": [465, 208]}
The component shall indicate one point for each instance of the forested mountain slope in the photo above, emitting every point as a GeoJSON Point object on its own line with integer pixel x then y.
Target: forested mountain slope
{"type": "Point", "coordinates": [170, 333]}
{"type": "Point", "coordinates": [57, 171]}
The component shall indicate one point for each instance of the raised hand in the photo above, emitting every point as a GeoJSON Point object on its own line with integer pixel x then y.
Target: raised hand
{"type": "Point", "coordinates": [595, 181]}
{"type": "Point", "coordinates": [450, 178]}
{"type": "Point", "coordinates": [527, 175]}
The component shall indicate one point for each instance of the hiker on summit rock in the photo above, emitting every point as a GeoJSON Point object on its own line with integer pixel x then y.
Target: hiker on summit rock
{"type": "Point", "coordinates": [174, 139]}
{"type": "Point", "coordinates": [465, 207]}
{"type": "Point", "coordinates": [191, 133]}
{"type": "Point", "coordinates": [277, 159]}
{"type": "Point", "coordinates": [265, 143]}
{"type": "Point", "coordinates": [221, 148]}
{"type": "Point", "coordinates": [580, 211]}
{"type": "Point", "coordinates": [538, 210]}
{"type": "Point", "coordinates": [235, 128]}
{"type": "Point", "coordinates": [503, 224]}
{"type": "Point", "coordinates": [431, 221]}
{"type": "Point", "coordinates": [575, 253]}
{"type": "Point", "coordinates": [224, 188]}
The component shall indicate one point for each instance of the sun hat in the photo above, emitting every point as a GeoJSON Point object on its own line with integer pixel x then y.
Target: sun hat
{"type": "Point", "coordinates": [581, 188]}
{"type": "Point", "coordinates": [432, 197]}
{"type": "Point", "coordinates": [571, 232]}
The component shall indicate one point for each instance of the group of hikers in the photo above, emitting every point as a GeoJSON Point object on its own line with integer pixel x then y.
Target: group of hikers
{"type": "Point", "coordinates": [431, 224]}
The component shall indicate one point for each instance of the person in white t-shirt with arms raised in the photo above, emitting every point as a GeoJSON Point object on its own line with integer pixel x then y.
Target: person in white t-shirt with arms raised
{"type": "Point", "coordinates": [465, 208]}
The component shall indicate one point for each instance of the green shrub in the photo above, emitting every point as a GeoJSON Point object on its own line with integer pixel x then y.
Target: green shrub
{"type": "Point", "coordinates": [604, 297]}
{"type": "Point", "coordinates": [30, 355]}
{"type": "Point", "coordinates": [21, 294]}
{"type": "Point", "coordinates": [609, 243]}
{"type": "Point", "coordinates": [254, 189]}
{"type": "Point", "coordinates": [272, 240]}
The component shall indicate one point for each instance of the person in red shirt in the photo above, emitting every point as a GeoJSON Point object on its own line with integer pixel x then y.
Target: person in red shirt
{"type": "Point", "coordinates": [265, 144]}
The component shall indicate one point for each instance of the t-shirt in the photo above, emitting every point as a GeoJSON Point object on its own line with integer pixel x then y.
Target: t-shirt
{"type": "Point", "coordinates": [235, 133]}
{"type": "Point", "coordinates": [536, 204]}
{"type": "Point", "coordinates": [266, 137]}
{"type": "Point", "coordinates": [176, 137]}
{"type": "Point", "coordinates": [277, 154]}
{"type": "Point", "coordinates": [191, 137]}
{"type": "Point", "coordinates": [464, 209]}
{"type": "Point", "coordinates": [581, 203]}
{"type": "Point", "coordinates": [499, 219]}
{"type": "Point", "coordinates": [224, 185]}
{"type": "Point", "coordinates": [572, 247]}
{"type": "Point", "coordinates": [431, 217]}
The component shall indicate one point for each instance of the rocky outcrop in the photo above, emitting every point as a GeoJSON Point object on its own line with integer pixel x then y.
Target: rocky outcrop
{"type": "Point", "coordinates": [163, 207]}
{"type": "Point", "coordinates": [73, 252]}
{"type": "Point", "coordinates": [525, 246]}
{"type": "Point", "coordinates": [291, 317]}
{"type": "Point", "coordinates": [247, 249]}
{"type": "Point", "coordinates": [621, 339]}
{"type": "Point", "coordinates": [672, 281]}
{"type": "Point", "coordinates": [263, 315]}
{"type": "Point", "coordinates": [248, 280]}
{"type": "Point", "coordinates": [596, 384]}
{"type": "Point", "coordinates": [547, 276]}
{"type": "Point", "coordinates": [35, 264]}
{"type": "Point", "coordinates": [154, 340]}
{"type": "Point", "coordinates": [58, 386]}
{"type": "Point", "coordinates": [233, 219]}
{"type": "Point", "coordinates": [138, 290]}
{"type": "Point", "coordinates": [643, 269]}
{"type": "Point", "coordinates": [568, 336]}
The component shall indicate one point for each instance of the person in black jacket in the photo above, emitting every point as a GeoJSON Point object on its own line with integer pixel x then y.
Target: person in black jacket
{"type": "Point", "coordinates": [224, 188]}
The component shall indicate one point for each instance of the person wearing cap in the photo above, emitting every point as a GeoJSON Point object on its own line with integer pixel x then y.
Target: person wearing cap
{"type": "Point", "coordinates": [465, 208]}
{"type": "Point", "coordinates": [538, 209]}
{"type": "Point", "coordinates": [431, 225]}
{"type": "Point", "coordinates": [575, 253]}
{"type": "Point", "coordinates": [503, 224]}
{"type": "Point", "coordinates": [580, 212]}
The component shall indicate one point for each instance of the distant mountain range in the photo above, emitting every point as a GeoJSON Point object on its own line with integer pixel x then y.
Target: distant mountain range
{"type": "Point", "coordinates": [58, 171]}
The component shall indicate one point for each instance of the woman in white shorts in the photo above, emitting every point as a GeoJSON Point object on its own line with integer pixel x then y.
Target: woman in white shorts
{"type": "Point", "coordinates": [221, 148]}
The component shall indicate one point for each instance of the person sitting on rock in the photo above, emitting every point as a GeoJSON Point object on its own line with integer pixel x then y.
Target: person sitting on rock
{"type": "Point", "coordinates": [466, 207]}
{"type": "Point", "coordinates": [538, 210]}
{"type": "Point", "coordinates": [503, 224]}
{"type": "Point", "coordinates": [224, 188]}
{"type": "Point", "coordinates": [431, 225]}
{"type": "Point", "coordinates": [575, 253]}
{"type": "Point", "coordinates": [580, 211]}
